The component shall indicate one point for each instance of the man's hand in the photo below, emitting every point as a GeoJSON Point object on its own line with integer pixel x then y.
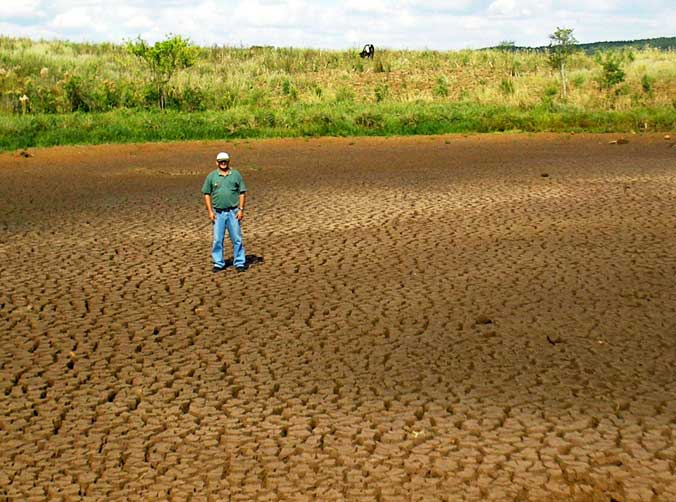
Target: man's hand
{"type": "Point", "coordinates": [212, 216]}
{"type": "Point", "coordinates": [240, 214]}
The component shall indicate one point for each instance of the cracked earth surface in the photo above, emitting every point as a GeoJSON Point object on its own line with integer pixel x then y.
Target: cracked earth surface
{"type": "Point", "coordinates": [445, 318]}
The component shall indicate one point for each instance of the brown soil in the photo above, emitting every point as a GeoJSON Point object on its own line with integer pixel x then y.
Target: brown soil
{"type": "Point", "coordinates": [444, 318]}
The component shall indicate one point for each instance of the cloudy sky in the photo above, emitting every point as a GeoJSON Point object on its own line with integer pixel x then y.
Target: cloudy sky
{"type": "Point", "coordinates": [396, 24]}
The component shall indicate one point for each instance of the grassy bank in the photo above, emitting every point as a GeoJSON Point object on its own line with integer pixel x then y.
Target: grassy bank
{"type": "Point", "coordinates": [123, 126]}
{"type": "Point", "coordinates": [61, 92]}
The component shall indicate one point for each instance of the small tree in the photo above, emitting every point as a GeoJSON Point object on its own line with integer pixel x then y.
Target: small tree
{"type": "Point", "coordinates": [164, 59]}
{"type": "Point", "coordinates": [612, 71]}
{"type": "Point", "coordinates": [561, 47]}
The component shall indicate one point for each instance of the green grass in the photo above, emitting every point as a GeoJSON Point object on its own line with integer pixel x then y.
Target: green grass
{"type": "Point", "coordinates": [347, 119]}
{"type": "Point", "coordinates": [58, 92]}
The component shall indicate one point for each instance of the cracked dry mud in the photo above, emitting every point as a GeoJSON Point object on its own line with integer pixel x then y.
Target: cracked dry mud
{"type": "Point", "coordinates": [446, 318]}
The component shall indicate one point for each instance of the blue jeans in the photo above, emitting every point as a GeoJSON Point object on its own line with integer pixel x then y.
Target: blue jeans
{"type": "Point", "coordinates": [227, 218]}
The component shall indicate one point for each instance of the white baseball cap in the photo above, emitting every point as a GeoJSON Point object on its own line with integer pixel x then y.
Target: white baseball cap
{"type": "Point", "coordinates": [223, 156]}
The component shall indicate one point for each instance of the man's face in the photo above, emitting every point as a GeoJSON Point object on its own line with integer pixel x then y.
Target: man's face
{"type": "Point", "coordinates": [223, 164]}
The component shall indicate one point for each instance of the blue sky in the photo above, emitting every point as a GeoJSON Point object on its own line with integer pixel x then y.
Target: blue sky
{"type": "Point", "coordinates": [399, 24]}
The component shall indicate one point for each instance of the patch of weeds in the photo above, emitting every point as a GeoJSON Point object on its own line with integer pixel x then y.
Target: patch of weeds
{"type": "Point", "coordinates": [507, 86]}
{"type": "Point", "coordinates": [441, 88]}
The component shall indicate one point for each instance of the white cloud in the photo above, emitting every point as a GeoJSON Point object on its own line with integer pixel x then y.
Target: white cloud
{"type": "Point", "coordinates": [24, 9]}
{"type": "Point", "coordinates": [441, 5]}
{"type": "Point", "coordinates": [370, 6]}
{"type": "Point", "coordinates": [518, 8]}
{"type": "Point", "coordinates": [73, 19]}
{"type": "Point", "coordinates": [434, 24]}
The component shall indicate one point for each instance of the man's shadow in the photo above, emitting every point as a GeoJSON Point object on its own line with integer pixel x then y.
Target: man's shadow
{"type": "Point", "coordinates": [251, 260]}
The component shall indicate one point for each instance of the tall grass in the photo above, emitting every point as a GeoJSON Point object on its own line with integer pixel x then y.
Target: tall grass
{"type": "Point", "coordinates": [285, 91]}
{"type": "Point", "coordinates": [339, 119]}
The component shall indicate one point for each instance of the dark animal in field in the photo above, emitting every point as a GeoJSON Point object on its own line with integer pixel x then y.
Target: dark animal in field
{"type": "Point", "coordinates": [368, 51]}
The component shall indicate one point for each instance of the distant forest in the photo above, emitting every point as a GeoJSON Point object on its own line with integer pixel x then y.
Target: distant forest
{"type": "Point", "coordinates": [662, 43]}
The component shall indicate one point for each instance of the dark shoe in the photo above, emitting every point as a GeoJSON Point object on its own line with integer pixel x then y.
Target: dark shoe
{"type": "Point", "coordinates": [217, 269]}
{"type": "Point", "coordinates": [241, 269]}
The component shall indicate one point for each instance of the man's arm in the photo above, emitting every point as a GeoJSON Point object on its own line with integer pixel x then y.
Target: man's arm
{"type": "Point", "coordinates": [210, 208]}
{"type": "Point", "coordinates": [242, 203]}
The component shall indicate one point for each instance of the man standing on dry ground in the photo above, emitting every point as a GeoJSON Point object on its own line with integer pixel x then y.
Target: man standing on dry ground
{"type": "Point", "coordinates": [224, 195]}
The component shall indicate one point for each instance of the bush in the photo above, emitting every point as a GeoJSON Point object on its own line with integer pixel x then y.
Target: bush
{"type": "Point", "coordinates": [151, 95]}
{"type": "Point", "coordinates": [612, 72]}
{"type": "Point", "coordinates": [75, 93]}
{"type": "Point", "coordinates": [441, 89]}
{"type": "Point", "coordinates": [130, 95]}
{"type": "Point", "coordinates": [227, 98]}
{"type": "Point", "coordinates": [44, 99]}
{"type": "Point", "coordinates": [507, 86]}
{"type": "Point", "coordinates": [266, 118]}
{"type": "Point", "coordinates": [551, 91]}
{"type": "Point", "coordinates": [647, 83]}
{"type": "Point", "coordinates": [380, 66]}
{"type": "Point", "coordinates": [290, 90]}
{"type": "Point", "coordinates": [578, 80]}
{"type": "Point", "coordinates": [369, 120]}
{"type": "Point", "coordinates": [344, 95]}
{"type": "Point", "coordinates": [192, 99]}
{"type": "Point", "coordinates": [256, 96]}
{"type": "Point", "coordinates": [381, 92]}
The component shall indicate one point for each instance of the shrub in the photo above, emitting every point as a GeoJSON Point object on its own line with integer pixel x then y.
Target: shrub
{"type": "Point", "coordinates": [75, 94]}
{"type": "Point", "coordinates": [151, 95]}
{"type": "Point", "coordinates": [647, 83]}
{"type": "Point", "coordinates": [106, 95]}
{"type": "Point", "coordinates": [344, 95]}
{"type": "Point", "coordinates": [44, 98]}
{"type": "Point", "coordinates": [578, 80]}
{"type": "Point", "coordinates": [507, 86]}
{"type": "Point", "coordinates": [612, 72]}
{"type": "Point", "coordinates": [228, 97]}
{"type": "Point", "coordinates": [290, 90]}
{"type": "Point", "coordinates": [441, 89]}
{"type": "Point", "coordinates": [381, 92]}
{"type": "Point", "coordinates": [192, 99]}
{"type": "Point", "coordinates": [266, 118]}
{"type": "Point", "coordinates": [369, 120]}
{"type": "Point", "coordinates": [256, 96]}
{"type": "Point", "coordinates": [550, 92]}
{"type": "Point", "coordinates": [164, 59]}
{"type": "Point", "coordinates": [380, 66]}
{"type": "Point", "coordinates": [130, 95]}
{"type": "Point", "coordinates": [622, 90]}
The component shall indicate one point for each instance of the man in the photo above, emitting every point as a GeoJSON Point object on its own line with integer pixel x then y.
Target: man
{"type": "Point", "coordinates": [224, 195]}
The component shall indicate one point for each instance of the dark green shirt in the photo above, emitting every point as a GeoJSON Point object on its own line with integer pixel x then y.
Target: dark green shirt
{"type": "Point", "coordinates": [224, 190]}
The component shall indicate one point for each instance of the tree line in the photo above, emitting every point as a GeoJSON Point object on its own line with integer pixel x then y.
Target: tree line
{"type": "Point", "coordinates": [661, 43]}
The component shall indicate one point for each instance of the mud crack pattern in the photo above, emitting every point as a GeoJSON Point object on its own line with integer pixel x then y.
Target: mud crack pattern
{"type": "Point", "coordinates": [445, 318]}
